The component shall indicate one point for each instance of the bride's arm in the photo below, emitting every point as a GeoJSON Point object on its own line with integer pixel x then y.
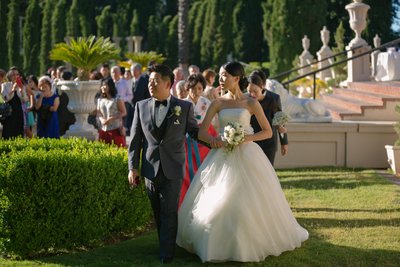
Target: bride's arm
{"type": "Point", "coordinates": [203, 132]}
{"type": "Point", "coordinates": [266, 131]}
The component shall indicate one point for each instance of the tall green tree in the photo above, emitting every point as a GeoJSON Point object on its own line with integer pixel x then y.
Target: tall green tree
{"type": "Point", "coordinates": [86, 17]}
{"type": "Point", "coordinates": [222, 44]}
{"type": "Point", "coordinates": [105, 22]}
{"type": "Point", "coordinates": [58, 24]}
{"type": "Point", "coordinates": [247, 44]}
{"type": "Point", "coordinates": [171, 45]}
{"type": "Point", "coordinates": [3, 32]}
{"type": "Point", "coordinates": [134, 26]}
{"type": "Point", "coordinates": [183, 33]}
{"type": "Point", "coordinates": [31, 39]}
{"type": "Point", "coordinates": [73, 28]}
{"type": "Point", "coordinates": [209, 31]}
{"type": "Point", "coordinates": [45, 44]}
{"type": "Point", "coordinates": [196, 17]}
{"type": "Point", "coordinates": [285, 22]}
{"type": "Point", "coordinates": [152, 33]}
{"type": "Point", "coordinates": [13, 33]}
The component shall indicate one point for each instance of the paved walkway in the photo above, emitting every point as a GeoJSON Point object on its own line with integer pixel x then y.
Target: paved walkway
{"type": "Point", "coordinates": [391, 177]}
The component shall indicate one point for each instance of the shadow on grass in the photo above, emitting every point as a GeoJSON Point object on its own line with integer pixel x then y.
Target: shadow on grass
{"type": "Point", "coordinates": [143, 252]}
{"type": "Point", "coordinates": [344, 210]}
{"type": "Point", "coordinates": [324, 182]}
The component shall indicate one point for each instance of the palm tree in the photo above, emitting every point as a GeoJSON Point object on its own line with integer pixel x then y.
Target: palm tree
{"type": "Point", "coordinates": [85, 53]}
{"type": "Point", "coordinates": [183, 34]}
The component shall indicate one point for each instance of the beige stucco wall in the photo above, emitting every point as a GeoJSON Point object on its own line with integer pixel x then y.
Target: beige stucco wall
{"type": "Point", "coordinates": [346, 144]}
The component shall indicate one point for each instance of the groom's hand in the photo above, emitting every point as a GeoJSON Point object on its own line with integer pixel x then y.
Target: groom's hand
{"type": "Point", "coordinates": [133, 178]}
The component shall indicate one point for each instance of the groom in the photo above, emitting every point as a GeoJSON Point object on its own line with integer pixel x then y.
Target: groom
{"type": "Point", "coordinates": [159, 128]}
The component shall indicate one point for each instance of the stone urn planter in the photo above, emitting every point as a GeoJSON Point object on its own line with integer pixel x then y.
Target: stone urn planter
{"type": "Point", "coordinates": [81, 96]}
{"type": "Point", "coordinates": [393, 154]}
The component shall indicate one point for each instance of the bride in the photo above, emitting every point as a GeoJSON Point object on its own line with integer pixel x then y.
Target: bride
{"type": "Point", "coordinates": [235, 209]}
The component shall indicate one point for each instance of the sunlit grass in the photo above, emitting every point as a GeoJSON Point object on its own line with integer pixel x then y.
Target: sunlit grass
{"type": "Point", "coordinates": [353, 217]}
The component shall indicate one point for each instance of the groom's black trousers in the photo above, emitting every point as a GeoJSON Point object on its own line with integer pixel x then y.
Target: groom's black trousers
{"type": "Point", "coordinates": [164, 198]}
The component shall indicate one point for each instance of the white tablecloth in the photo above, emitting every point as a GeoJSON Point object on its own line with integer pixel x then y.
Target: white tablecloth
{"type": "Point", "coordinates": [388, 66]}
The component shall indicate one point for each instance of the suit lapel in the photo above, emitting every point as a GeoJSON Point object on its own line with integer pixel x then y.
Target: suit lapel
{"type": "Point", "coordinates": [170, 116]}
{"type": "Point", "coordinates": [151, 111]}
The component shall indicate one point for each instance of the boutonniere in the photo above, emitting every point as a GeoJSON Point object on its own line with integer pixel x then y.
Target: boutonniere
{"type": "Point", "coordinates": [175, 111]}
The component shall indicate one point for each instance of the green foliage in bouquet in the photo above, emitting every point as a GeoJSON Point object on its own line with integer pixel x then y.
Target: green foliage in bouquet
{"type": "Point", "coordinates": [57, 195]}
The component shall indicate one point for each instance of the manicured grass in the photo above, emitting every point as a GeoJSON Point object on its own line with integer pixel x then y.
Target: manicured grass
{"type": "Point", "coordinates": [353, 217]}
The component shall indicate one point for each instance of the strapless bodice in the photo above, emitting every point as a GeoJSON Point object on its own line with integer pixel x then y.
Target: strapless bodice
{"type": "Point", "coordinates": [240, 115]}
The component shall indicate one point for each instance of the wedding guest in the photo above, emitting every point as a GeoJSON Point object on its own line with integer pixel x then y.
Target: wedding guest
{"type": "Point", "coordinates": [33, 85]}
{"type": "Point", "coordinates": [209, 91]}
{"type": "Point", "coordinates": [181, 91]}
{"type": "Point", "coordinates": [105, 70]}
{"type": "Point", "coordinates": [13, 94]}
{"type": "Point", "coordinates": [271, 104]}
{"type": "Point", "coordinates": [29, 101]}
{"type": "Point", "coordinates": [195, 152]}
{"type": "Point", "coordinates": [2, 76]}
{"type": "Point", "coordinates": [47, 104]}
{"type": "Point", "coordinates": [235, 209]}
{"type": "Point", "coordinates": [193, 69]}
{"type": "Point", "coordinates": [111, 110]}
{"type": "Point", "coordinates": [125, 94]}
{"type": "Point", "coordinates": [178, 76]}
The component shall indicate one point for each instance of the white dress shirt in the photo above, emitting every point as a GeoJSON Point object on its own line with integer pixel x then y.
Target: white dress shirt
{"type": "Point", "coordinates": [160, 112]}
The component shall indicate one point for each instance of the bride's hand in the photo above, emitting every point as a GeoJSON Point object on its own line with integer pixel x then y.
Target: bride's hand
{"type": "Point", "coordinates": [216, 142]}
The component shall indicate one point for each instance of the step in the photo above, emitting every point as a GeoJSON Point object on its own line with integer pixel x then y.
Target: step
{"type": "Point", "coordinates": [338, 113]}
{"type": "Point", "coordinates": [351, 104]}
{"type": "Point", "coordinates": [363, 96]}
{"type": "Point", "coordinates": [391, 88]}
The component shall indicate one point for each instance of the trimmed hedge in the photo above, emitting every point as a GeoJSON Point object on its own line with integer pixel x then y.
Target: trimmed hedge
{"type": "Point", "coordinates": [64, 194]}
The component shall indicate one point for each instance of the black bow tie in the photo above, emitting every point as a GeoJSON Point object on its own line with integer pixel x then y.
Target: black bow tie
{"type": "Point", "coordinates": [164, 103]}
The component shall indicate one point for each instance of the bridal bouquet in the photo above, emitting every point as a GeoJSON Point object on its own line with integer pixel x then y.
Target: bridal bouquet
{"type": "Point", "coordinates": [233, 135]}
{"type": "Point", "coordinates": [280, 118]}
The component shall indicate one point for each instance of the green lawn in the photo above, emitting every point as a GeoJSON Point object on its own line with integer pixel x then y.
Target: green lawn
{"type": "Point", "coordinates": [353, 217]}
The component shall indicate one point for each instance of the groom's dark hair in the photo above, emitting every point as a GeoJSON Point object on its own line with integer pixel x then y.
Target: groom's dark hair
{"type": "Point", "coordinates": [164, 70]}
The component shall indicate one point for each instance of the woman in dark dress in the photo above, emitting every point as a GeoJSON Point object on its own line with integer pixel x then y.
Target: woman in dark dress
{"type": "Point", "coordinates": [12, 93]}
{"type": "Point", "coordinates": [271, 104]}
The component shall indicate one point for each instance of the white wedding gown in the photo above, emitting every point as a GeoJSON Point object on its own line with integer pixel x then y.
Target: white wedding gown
{"type": "Point", "coordinates": [235, 209]}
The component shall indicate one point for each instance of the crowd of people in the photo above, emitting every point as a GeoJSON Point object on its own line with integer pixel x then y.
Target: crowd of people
{"type": "Point", "coordinates": [176, 123]}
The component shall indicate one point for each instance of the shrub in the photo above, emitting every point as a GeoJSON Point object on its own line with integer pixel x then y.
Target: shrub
{"type": "Point", "coordinates": [64, 194]}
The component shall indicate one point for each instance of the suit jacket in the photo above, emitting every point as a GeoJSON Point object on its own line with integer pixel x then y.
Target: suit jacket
{"type": "Point", "coordinates": [270, 104]}
{"type": "Point", "coordinates": [161, 149]}
{"type": "Point", "coordinates": [141, 90]}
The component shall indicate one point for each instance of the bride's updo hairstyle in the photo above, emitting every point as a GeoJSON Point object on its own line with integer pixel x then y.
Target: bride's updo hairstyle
{"type": "Point", "coordinates": [234, 68]}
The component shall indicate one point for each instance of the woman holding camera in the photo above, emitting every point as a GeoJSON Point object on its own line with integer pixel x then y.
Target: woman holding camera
{"type": "Point", "coordinates": [13, 93]}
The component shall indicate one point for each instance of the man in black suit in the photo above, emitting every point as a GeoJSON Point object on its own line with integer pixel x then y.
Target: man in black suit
{"type": "Point", "coordinates": [271, 103]}
{"type": "Point", "coordinates": [159, 129]}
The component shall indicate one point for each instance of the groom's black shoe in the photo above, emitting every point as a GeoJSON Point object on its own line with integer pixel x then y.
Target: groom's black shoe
{"type": "Point", "coordinates": [166, 260]}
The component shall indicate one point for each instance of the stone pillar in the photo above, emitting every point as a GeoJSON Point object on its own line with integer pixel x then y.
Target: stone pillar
{"type": "Point", "coordinates": [358, 69]}
{"type": "Point", "coordinates": [305, 57]}
{"type": "Point", "coordinates": [323, 53]}
{"type": "Point", "coordinates": [138, 43]}
{"type": "Point", "coordinates": [117, 41]}
{"type": "Point", "coordinates": [129, 41]}
{"type": "Point", "coordinates": [374, 55]}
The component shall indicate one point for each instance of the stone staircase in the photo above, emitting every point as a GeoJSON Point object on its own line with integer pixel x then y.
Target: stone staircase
{"type": "Point", "coordinates": [364, 101]}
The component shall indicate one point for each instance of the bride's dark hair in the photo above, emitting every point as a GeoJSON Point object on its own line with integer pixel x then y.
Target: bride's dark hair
{"type": "Point", "coordinates": [234, 68]}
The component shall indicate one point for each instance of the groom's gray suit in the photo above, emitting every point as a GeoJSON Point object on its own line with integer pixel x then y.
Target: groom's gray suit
{"type": "Point", "coordinates": [163, 161]}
